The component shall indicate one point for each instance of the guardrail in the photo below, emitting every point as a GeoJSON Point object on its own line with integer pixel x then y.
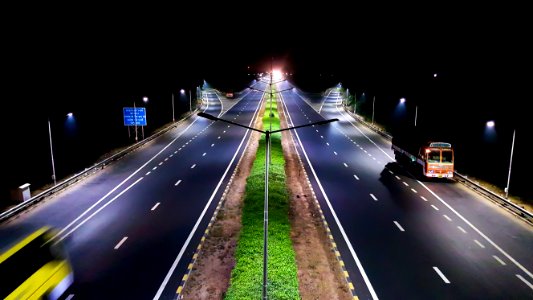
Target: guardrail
{"type": "Point", "coordinates": [526, 215]}
{"type": "Point", "coordinates": [4, 216]}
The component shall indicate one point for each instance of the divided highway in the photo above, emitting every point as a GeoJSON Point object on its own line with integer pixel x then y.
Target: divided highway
{"type": "Point", "coordinates": [130, 230]}
{"type": "Point", "coordinates": [401, 238]}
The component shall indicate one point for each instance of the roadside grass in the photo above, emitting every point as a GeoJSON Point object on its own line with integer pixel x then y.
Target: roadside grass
{"type": "Point", "coordinates": [247, 275]}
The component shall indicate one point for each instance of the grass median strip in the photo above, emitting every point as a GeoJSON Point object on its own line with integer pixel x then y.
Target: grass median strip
{"type": "Point", "coordinates": [247, 275]}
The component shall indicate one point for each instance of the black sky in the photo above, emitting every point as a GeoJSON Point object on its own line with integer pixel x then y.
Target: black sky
{"type": "Point", "coordinates": [58, 59]}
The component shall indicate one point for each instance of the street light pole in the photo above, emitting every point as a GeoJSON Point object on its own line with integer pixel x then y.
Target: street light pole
{"type": "Point", "coordinates": [416, 113]}
{"type": "Point", "coordinates": [510, 164]}
{"type": "Point", "coordinates": [373, 105]}
{"type": "Point", "coordinates": [173, 120]}
{"type": "Point", "coordinates": [52, 153]}
{"type": "Point", "coordinates": [267, 164]}
{"type": "Point", "coordinates": [190, 101]}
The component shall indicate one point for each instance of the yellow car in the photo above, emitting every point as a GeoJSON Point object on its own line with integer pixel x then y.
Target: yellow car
{"type": "Point", "coordinates": [35, 268]}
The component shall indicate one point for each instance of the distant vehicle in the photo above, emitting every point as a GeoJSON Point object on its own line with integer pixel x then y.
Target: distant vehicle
{"type": "Point", "coordinates": [436, 159]}
{"type": "Point", "coordinates": [35, 268]}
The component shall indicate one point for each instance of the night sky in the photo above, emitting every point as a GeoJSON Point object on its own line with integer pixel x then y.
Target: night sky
{"type": "Point", "coordinates": [94, 61]}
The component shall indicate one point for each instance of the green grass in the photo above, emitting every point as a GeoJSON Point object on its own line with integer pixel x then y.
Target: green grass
{"type": "Point", "coordinates": [247, 275]}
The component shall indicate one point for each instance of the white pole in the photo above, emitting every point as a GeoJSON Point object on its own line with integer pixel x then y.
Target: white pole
{"type": "Point", "coordinates": [416, 113]}
{"type": "Point", "coordinates": [135, 119]}
{"type": "Point", "coordinates": [190, 101]}
{"type": "Point", "coordinates": [510, 164]}
{"type": "Point", "coordinates": [373, 105]}
{"type": "Point", "coordinates": [173, 120]}
{"type": "Point", "coordinates": [52, 153]}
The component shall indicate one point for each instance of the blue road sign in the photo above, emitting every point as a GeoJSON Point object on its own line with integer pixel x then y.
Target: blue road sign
{"type": "Point", "coordinates": [134, 116]}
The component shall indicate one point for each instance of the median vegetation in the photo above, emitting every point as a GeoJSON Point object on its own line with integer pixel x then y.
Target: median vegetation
{"type": "Point", "coordinates": [247, 275]}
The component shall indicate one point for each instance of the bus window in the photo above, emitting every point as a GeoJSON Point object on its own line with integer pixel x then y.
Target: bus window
{"type": "Point", "coordinates": [447, 156]}
{"type": "Point", "coordinates": [35, 268]}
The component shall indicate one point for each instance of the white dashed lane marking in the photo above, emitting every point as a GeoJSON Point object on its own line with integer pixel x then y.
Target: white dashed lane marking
{"type": "Point", "coordinates": [373, 197]}
{"type": "Point", "coordinates": [155, 206]}
{"type": "Point", "coordinates": [177, 182]}
{"type": "Point", "coordinates": [121, 242]}
{"type": "Point", "coordinates": [399, 226]}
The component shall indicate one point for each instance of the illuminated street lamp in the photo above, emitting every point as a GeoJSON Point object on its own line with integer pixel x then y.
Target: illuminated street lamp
{"type": "Point", "coordinates": [490, 127]}
{"type": "Point", "coordinates": [267, 164]}
{"type": "Point", "coordinates": [70, 115]}
{"type": "Point", "coordinates": [182, 91]}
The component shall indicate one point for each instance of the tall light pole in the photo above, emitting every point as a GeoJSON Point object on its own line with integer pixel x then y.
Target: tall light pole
{"type": "Point", "coordinates": [267, 164]}
{"type": "Point", "coordinates": [182, 91]}
{"type": "Point", "coordinates": [373, 106]}
{"type": "Point", "coordinates": [510, 165]}
{"type": "Point", "coordinates": [52, 153]}
{"type": "Point", "coordinates": [173, 120]}
{"type": "Point", "coordinates": [416, 114]}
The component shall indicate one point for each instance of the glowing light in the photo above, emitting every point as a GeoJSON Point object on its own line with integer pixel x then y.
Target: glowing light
{"type": "Point", "coordinates": [182, 91]}
{"type": "Point", "coordinates": [490, 124]}
{"type": "Point", "coordinates": [434, 75]}
{"type": "Point", "coordinates": [277, 75]}
{"type": "Point", "coordinates": [402, 100]}
{"type": "Point", "coordinates": [70, 115]}
{"type": "Point", "coordinates": [145, 99]}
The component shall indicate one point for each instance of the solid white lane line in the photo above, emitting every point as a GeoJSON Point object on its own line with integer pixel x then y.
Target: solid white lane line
{"type": "Point", "coordinates": [147, 173]}
{"type": "Point", "coordinates": [123, 181]}
{"type": "Point", "coordinates": [155, 206]}
{"type": "Point", "coordinates": [356, 177]}
{"type": "Point", "coordinates": [212, 145]}
{"type": "Point", "coordinates": [345, 165]}
{"type": "Point", "coordinates": [188, 240]}
{"type": "Point", "coordinates": [514, 261]}
{"type": "Point", "coordinates": [350, 121]}
{"type": "Point", "coordinates": [441, 275]}
{"type": "Point", "coordinates": [373, 197]}
{"type": "Point", "coordinates": [461, 228]}
{"type": "Point", "coordinates": [447, 218]}
{"type": "Point", "coordinates": [192, 167]}
{"type": "Point", "coordinates": [160, 163]}
{"type": "Point", "coordinates": [204, 154]}
{"type": "Point", "coordinates": [499, 260]}
{"type": "Point", "coordinates": [177, 182]}
{"type": "Point", "coordinates": [154, 168]}
{"type": "Point", "coordinates": [423, 198]}
{"type": "Point", "coordinates": [479, 244]}
{"type": "Point", "coordinates": [399, 226]}
{"type": "Point", "coordinates": [322, 102]}
{"type": "Point", "coordinates": [121, 242]}
{"type": "Point", "coordinates": [334, 214]}
{"type": "Point", "coordinates": [97, 211]}
{"type": "Point", "coordinates": [525, 281]}
{"type": "Point", "coordinates": [414, 191]}
{"type": "Point", "coordinates": [335, 152]}
{"type": "Point", "coordinates": [405, 183]}
{"type": "Point", "coordinates": [436, 208]}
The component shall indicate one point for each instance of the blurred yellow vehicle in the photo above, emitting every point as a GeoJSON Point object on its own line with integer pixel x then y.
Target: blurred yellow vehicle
{"type": "Point", "coordinates": [35, 268]}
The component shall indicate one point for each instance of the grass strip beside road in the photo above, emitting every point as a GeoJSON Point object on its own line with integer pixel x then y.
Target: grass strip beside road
{"type": "Point", "coordinates": [247, 275]}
